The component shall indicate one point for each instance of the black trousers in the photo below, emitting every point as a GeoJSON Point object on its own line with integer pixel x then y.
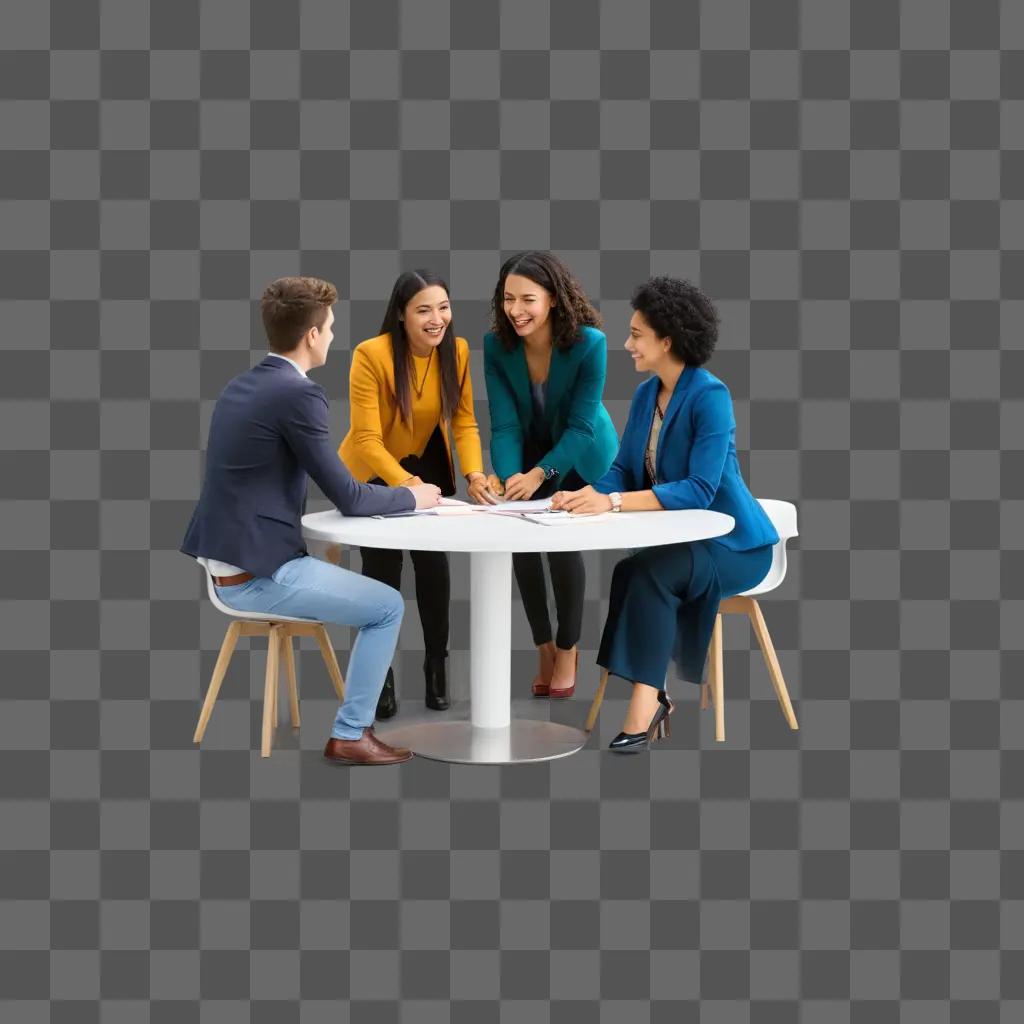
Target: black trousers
{"type": "Point", "coordinates": [433, 589]}
{"type": "Point", "coordinates": [568, 576]}
{"type": "Point", "coordinates": [433, 577]}
{"type": "Point", "coordinates": [568, 581]}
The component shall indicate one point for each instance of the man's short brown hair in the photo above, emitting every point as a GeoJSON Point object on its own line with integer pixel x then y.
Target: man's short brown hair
{"type": "Point", "coordinates": [291, 306]}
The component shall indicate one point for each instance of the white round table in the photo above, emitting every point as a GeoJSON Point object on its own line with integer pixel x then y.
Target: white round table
{"type": "Point", "coordinates": [491, 736]}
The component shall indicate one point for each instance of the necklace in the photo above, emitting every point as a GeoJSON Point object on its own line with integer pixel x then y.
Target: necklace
{"type": "Point", "coordinates": [423, 383]}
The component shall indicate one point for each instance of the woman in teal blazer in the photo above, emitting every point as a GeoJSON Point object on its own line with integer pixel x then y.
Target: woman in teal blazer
{"type": "Point", "coordinates": [678, 451]}
{"type": "Point", "coordinates": [545, 365]}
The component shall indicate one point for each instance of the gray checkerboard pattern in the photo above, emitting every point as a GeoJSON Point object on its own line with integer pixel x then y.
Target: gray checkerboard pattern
{"type": "Point", "coordinates": [845, 178]}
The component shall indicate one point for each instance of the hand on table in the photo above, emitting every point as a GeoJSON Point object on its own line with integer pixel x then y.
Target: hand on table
{"type": "Point", "coordinates": [480, 490]}
{"type": "Point", "coordinates": [426, 495]}
{"type": "Point", "coordinates": [584, 502]}
{"type": "Point", "coordinates": [521, 486]}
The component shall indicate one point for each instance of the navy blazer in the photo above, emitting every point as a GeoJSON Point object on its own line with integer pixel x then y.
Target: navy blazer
{"type": "Point", "coordinates": [696, 456]}
{"type": "Point", "coordinates": [268, 431]}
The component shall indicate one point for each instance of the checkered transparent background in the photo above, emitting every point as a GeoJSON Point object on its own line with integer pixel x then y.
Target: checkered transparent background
{"type": "Point", "coordinates": [845, 178]}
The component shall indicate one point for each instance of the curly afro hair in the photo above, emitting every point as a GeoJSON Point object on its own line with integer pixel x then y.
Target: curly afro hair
{"type": "Point", "coordinates": [681, 311]}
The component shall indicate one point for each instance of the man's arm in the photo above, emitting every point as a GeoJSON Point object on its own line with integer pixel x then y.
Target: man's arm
{"type": "Point", "coordinates": [305, 430]}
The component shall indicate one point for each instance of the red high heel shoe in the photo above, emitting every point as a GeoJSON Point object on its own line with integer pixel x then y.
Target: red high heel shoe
{"type": "Point", "coordinates": [564, 692]}
{"type": "Point", "coordinates": [540, 686]}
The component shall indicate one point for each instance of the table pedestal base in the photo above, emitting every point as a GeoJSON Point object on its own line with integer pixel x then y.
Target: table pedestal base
{"type": "Point", "coordinates": [491, 736]}
{"type": "Point", "coordinates": [460, 742]}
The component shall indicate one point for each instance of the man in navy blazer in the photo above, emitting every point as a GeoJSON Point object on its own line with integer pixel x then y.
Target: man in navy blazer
{"type": "Point", "coordinates": [268, 434]}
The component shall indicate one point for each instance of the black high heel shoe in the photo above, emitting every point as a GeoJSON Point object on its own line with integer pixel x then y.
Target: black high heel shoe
{"type": "Point", "coordinates": [660, 727]}
{"type": "Point", "coordinates": [436, 679]}
{"type": "Point", "coordinates": [387, 702]}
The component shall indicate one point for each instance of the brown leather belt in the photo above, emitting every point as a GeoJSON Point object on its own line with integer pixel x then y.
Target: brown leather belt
{"type": "Point", "coordinates": [233, 581]}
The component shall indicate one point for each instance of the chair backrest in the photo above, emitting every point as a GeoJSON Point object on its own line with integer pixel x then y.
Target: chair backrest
{"type": "Point", "coordinates": [211, 592]}
{"type": "Point", "coordinates": [783, 517]}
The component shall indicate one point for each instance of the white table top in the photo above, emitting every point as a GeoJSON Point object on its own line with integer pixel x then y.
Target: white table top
{"type": "Point", "coordinates": [483, 532]}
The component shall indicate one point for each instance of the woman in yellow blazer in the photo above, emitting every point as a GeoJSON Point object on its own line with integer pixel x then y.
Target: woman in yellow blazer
{"type": "Point", "coordinates": [411, 396]}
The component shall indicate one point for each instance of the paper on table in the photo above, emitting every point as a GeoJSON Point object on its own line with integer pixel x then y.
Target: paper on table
{"type": "Point", "coordinates": [446, 507]}
{"type": "Point", "coordinates": [565, 518]}
{"type": "Point", "coordinates": [457, 510]}
{"type": "Point", "coordinates": [452, 507]}
{"type": "Point", "coordinates": [519, 507]}
{"type": "Point", "coordinates": [452, 510]}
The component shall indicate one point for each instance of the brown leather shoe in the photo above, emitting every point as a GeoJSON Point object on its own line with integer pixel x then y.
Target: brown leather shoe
{"type": "Point", "coordinates": [405, 752]}
{"type": "Point", "coordinates": [368, 749]}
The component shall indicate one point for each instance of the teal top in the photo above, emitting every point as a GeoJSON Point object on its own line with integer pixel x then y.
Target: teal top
{"type": "Point", "coordinates": [583, 435]}
{"type": "Point", "coordinates": [540, 393]}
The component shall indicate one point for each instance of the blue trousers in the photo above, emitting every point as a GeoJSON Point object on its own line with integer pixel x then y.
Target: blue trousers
{"type": "Point", "coordinates": [308, 588]}
{"type": "Point", "coordinates": [662, 606]}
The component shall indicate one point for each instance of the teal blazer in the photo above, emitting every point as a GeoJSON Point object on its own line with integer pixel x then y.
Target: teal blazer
{"type": "Point", "coordinates": [696, 456]}
{"type": "Point", "coordinates": [582, 431]}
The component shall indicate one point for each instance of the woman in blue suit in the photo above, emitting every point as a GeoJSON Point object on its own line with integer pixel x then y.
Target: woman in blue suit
{"type": "Point", "coordinates": [678, 451]}
{"type": "Point", "coordinates": [545, 367]}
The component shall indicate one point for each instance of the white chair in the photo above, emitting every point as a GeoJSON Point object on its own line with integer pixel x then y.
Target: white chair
{"type": "Point", "coordinates": [783, 517]}
{"type": "Point", "coordinates": [279, 629]}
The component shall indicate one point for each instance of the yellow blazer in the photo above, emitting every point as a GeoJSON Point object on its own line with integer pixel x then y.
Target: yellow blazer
{"type": "Point", "coordinates": [378, 437]}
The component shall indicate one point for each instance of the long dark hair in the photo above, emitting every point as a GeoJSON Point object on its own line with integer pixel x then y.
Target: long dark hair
{"type": "Point", "coordinates": [407, 285]}
{"type": "Point", "coordinates": [572, 309]}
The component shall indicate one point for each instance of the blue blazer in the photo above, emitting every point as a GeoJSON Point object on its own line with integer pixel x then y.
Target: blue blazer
{"type": "Point", "coordinates": [268, 431]}
{"type": "Point", "coordinates": [583, 433]}
{"type": "Point", "coordinates": [696, 455]}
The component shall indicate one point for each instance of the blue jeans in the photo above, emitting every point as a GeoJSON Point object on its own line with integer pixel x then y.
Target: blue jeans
{"type": "Point", "coordinates": [308, 588]}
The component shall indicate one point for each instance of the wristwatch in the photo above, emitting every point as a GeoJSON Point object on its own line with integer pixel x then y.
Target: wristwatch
{"type": "Point", "coordinates": [549, 472]}
{"type": "Point", "coordinates": [616, 500]}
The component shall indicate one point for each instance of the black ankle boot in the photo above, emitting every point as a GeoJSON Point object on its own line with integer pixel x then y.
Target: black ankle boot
{"type": "Point", "coordinates": [435, 676]}
{"type": "Point", "coordinates": [387, 702]}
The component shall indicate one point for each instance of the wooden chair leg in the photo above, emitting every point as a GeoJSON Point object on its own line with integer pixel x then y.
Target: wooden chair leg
{"type": "Point", "coordinates": [772, 662]}
{"type": "Point", "coordinates": [327, 652]}
{"type": "Point", "coordinates": [289, 668]}
{"type": "Point", "coordinates": [277, 684]}
{"type": "Point", "coordinates": [270, 690]}
{"type": "Point", "coordinates": [596, 706]}
{"type": "Point", "coordinates": [705, 695]}
{"type": "Point", "coordinates": [715, 674]}
{"type": "Point", "coordinates": [227, 648]}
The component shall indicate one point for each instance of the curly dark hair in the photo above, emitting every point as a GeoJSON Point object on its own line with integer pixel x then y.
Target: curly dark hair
{"type": "Point", "coordinates": [681, 311]}
{"type": "Point", "coordinates": [572, 309]}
